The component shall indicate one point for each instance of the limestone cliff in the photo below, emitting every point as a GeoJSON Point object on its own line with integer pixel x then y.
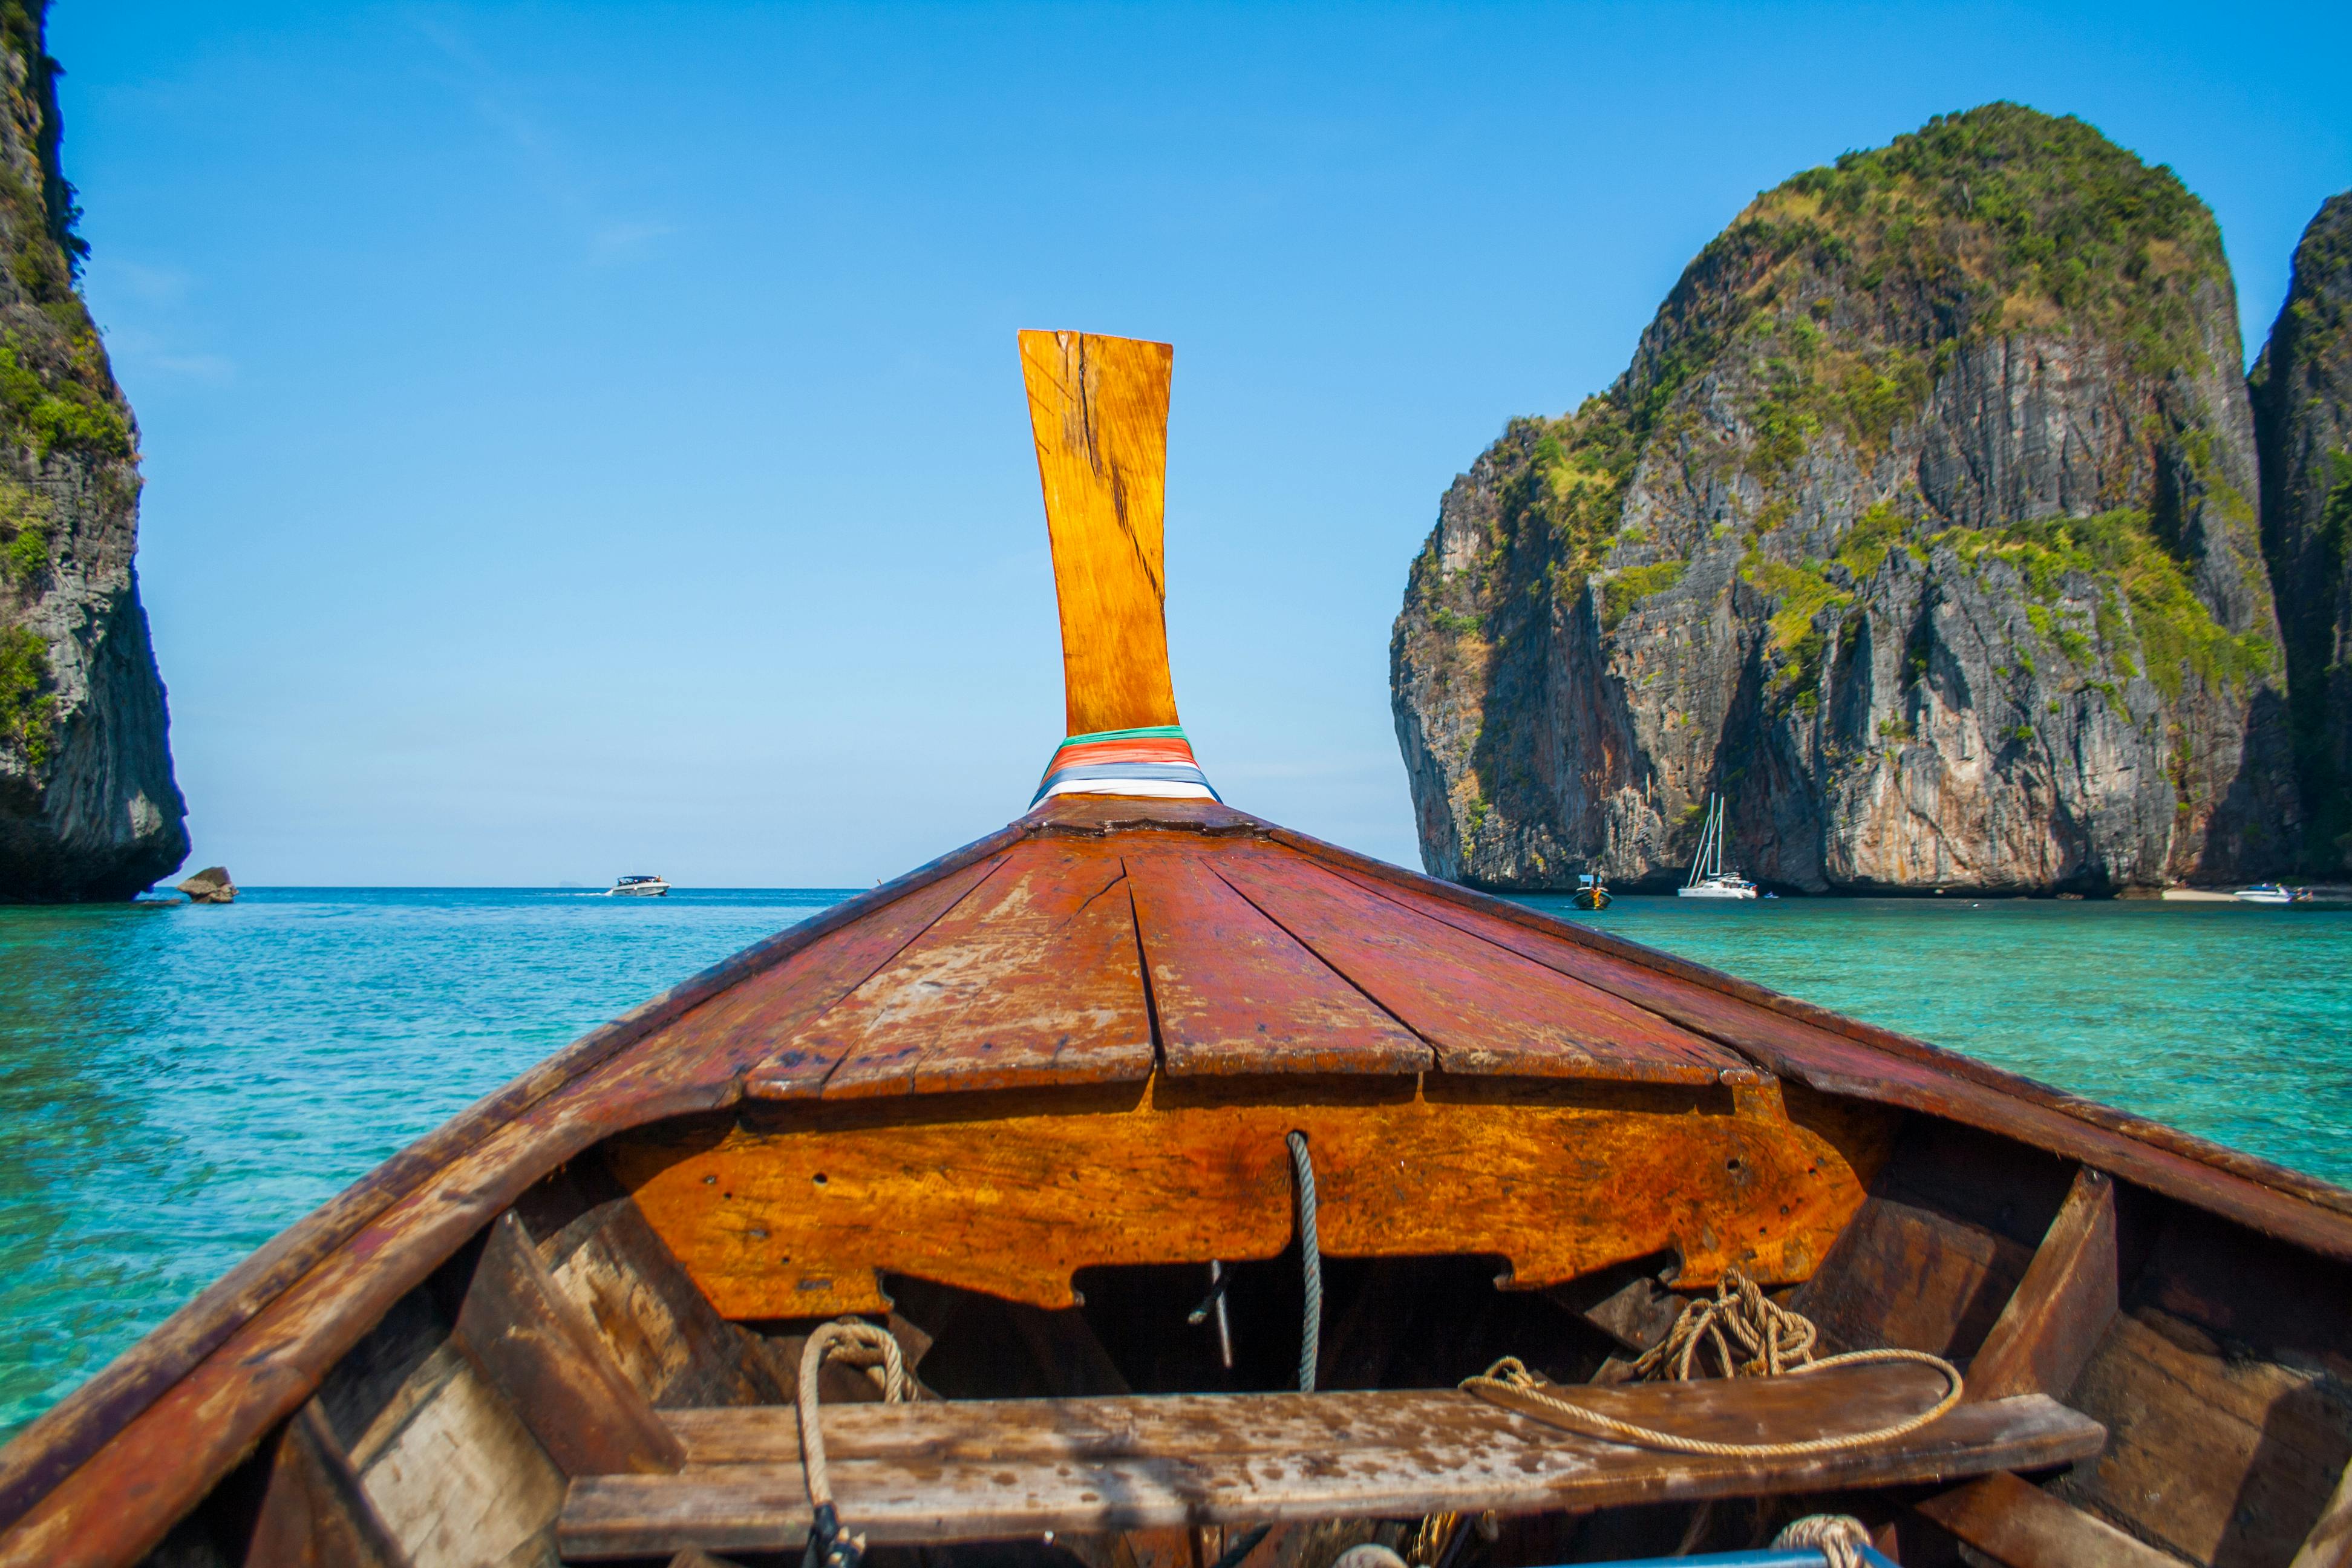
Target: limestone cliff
{"type": "Point", "coordinates": [88, 806]}
{"type": "Point", "coordinates": [2302, 421]}
{"type": "Point", "coordinates": [1923, 526]}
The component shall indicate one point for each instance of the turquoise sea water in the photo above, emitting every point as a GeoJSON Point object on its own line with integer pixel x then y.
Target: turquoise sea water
{"type": "Point", "coordinates": [177, 1084]}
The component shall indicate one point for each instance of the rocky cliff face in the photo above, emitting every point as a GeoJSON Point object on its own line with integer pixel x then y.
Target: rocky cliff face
{"type": "Point", "coordinates": [88, 806]}
{"type": "Point", "coordinates": [1923, 526]}
{"type": "Point", "coordinates": [2302, 389]}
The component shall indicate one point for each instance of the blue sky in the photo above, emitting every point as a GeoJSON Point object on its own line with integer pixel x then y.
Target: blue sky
{"type": "Point", "coordinates": [584, 439]}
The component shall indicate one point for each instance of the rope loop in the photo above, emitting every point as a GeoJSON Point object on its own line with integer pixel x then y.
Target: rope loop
{"type": "Point", "coordinates": [876, 1351]}
{"type": "Point", "coordinates": [1770, 1340]}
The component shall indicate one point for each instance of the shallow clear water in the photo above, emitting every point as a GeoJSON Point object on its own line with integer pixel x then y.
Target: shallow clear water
{"type": "Point", "coordinates": [2232, 1021]}
{"type": "Point", "coordinates": [177, 1084]}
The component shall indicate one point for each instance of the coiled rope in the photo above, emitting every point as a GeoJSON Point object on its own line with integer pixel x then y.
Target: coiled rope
{"type": "Point", "coordinates": [1310, 1263]}
{"type": "Point", "coordinates": [861, 1344]}
{"type": "Point", "coordinates": [1772, 1341]}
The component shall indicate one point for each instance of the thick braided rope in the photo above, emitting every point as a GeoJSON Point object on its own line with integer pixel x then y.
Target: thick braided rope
{"type": "Point", "coordinates": [1774, 1341]}
{"type": "Point", "coordinates": [860, 1344]}
{"type": "Point", "coordinates": [1839, 1537]}
{"type": "Point", "coordinates": [1310, 1263]}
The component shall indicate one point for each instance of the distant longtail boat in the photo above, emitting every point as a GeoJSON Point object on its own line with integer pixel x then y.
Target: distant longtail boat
{"type": "Point", "coordinates": [1199, 1192]}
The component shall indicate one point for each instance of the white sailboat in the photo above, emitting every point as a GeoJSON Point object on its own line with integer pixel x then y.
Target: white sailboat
{"type": "Point", "coordinates": [1708, 879]}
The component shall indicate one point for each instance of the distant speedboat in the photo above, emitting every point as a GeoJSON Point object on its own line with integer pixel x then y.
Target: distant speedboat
{"type": "Point", "coordinates": [2271, 893]}
{"type": "Point", "coordinates": [1708, 879]}
{"type": "Point", "coordinates": [638, 888]}
{"type": "Point", "coordinates": [1589, 892]}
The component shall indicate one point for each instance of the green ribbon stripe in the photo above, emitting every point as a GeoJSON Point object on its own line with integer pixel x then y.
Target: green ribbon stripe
{"type": "Point", "coordinates": [1149, 733]}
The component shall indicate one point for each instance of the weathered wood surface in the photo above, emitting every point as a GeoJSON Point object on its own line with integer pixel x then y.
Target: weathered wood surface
{"type": "Point", "coordinates": [550, 1361]}
{"type": "Point", "coordinates": [794, 1216]}
{"type": "Point", "coordinates": [1098, 409]}
{"type": "Point", "coordinates": [454, 1474]}
{"type": "Point", "coordinates": [2025, 1527]}
{"type": "Point", "coordinates": [998, 1469]}
{"type": "Point", "coordinates": [1032, 978]}
{"type": "Point", "coordinates": [655, 1320]}
{"type": "Point", "coordinates": [1811, 1045]}
{"type": "Point", "coordinates": [1904, 1274]}
{"type": "Point", "coordinates": [1484, 1008]}
{"type": "Point", "coordinates": [1937, 1250]}
{"type": "Point", "coordinates": [762, 1016]}
{"type": "Point", "coordinates": [2329, 1543]}
{"type": "Point", "coordinates": [2063, 1304]}
{"type": "Point", "coordinates": [1233, 993]}
{"type": "Point", "coordinates": [100, 1478]}
{"type": "Point", "coordinates": [2222, 1458]}
{"type": "Point", "coordinates": [314, 1513]}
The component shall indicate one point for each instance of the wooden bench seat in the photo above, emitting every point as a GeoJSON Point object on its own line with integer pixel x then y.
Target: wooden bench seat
{"type": "Point", "coordinates": [994, 1470]}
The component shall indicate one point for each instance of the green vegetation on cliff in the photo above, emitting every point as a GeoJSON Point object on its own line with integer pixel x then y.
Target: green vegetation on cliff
{"type": "Point", "coordinates": [1837, 298]}
{"type": "Point", "coordinates": [2176, 635]}
{"type": "Point", "coordinates": [27, 708]}
{"type": "Point", "coordinates": [55, 390]}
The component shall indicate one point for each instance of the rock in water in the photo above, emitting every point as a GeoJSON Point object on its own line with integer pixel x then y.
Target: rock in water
{"type": "Point", "coordinates": [2303, 419]}
{"type": "Point", "coordinates": [88, 806]}
{"type": "Point", "coordinates": [1923, 526]}
{"type": "Point", "coordinates": [213, 885]}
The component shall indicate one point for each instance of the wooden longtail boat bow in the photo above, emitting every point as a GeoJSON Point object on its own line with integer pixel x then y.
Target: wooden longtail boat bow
{"type": "Point", "coordinates": [1014, 1104]}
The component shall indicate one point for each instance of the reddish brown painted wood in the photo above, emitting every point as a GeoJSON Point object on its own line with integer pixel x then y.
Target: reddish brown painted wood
{"type": "Point", "coordinates": [2025, 1527]}
{"type": "Point", "coordinates": [1033, 979]}
{"type": "Point", "coordinates": [314, 1513]}
{"type": "Point", "coordinates": [1001, 1469]}
{"type": "Point", "coordinates": [1486, 1009]}
{"type": "Point", "coordinates": [36, 1463]}
{"type": "Point", "coordinates": [1235, 993]}
{"type": "Point", "coordinates": [2068, 1297]}
{"type": "Point", "coordinates": [757, 1017]}
{"type": "Point", "coordinates": [1839, 1055]}
{"type": "Point", "coordinates": [538, 1350]}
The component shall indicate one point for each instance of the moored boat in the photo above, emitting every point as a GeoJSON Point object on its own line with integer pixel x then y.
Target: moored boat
{"type": "Point", "coordinates": [1182, 1168]}
{"type": "Point", "coordinates": [2271, 894]}
{"type": "Point", "coordinates": [1591, 893]}
{"type": "Point", "coordinates": [1708, 878]}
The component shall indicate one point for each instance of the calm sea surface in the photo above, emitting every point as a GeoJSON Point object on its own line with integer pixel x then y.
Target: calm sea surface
{"type": "Point", "coordinates": [177, 1084]}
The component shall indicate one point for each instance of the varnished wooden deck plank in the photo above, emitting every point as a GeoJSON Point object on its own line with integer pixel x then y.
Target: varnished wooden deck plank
{"type": "Point", "coordinates": [1236, 993]}
{"type": "Point", "coordinates": [1484, 1008]}
{"type": "Point", "coordinates": [768, 1010]}
{"type": "Point", "coordinates": [1033, 979]}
